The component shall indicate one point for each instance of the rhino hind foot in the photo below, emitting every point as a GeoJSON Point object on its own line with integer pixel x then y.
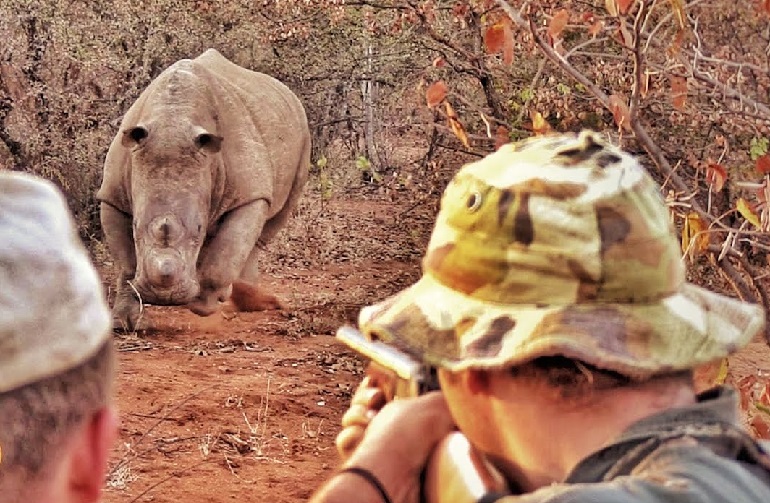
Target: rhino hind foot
{"type": "Point", "coordinates": [247, 297]}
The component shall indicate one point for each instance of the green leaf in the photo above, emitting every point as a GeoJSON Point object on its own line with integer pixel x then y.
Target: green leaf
{"type": "Point", "coordinates": [526, 94]}
{"type": "Point", "coordinates": [758, 147]}
{"type": "Point", "coordinates": [363, 164]}
{"type": "Point", "coordinates": [744, 208]}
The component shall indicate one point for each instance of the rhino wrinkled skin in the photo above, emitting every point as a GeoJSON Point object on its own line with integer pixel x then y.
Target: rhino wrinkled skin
{"type": "Point", "coordinates": [208, 164]}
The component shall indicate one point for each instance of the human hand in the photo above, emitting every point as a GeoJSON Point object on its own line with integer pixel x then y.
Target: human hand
{"type": "Point", "coordinates": [364, 405]}
{"type": "Point", "coordinates": [393, 441]}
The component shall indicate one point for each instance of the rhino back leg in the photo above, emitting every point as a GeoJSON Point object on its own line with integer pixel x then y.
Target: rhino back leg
{"type": "Point", "coordinates": [278, 221]}
{"type": "Point", "coordinates": [246, 295]}
{"type": "Point", "coordinates": [117, 228]}
{"type": "Point", "coordinates": [245, 291]}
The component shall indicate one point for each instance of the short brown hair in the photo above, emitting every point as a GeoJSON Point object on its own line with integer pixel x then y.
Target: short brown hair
{"type": "Point", "coordinates": [36, 419]}
{"type": "Point", "coordinates": [573, 379]}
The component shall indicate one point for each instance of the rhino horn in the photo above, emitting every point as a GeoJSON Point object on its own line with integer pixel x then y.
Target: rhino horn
{"type": "Point", "coordinates": [164, 269]}
{"type": "Point", "coordinates": [166, 229]}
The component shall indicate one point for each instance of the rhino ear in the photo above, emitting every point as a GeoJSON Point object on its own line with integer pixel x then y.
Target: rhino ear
{"type": "Point", "coordinates": [134, 136]}
{"type": "Point", "coordinates": [208, 142]}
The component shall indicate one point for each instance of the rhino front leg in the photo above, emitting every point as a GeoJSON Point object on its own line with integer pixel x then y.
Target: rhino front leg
{"type": "Point", "coordinates": [117, 228]}
{"type": "Point", "coordinates": [222, 259]}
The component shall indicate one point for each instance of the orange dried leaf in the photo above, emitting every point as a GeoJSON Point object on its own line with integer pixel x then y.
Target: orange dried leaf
{"type": "Point", "coordinates": [499, 38]}
{"type": "Point", "coordinates": [501, 137]}
{"type": "Point", "coordinates": [436, 93]}
{"type": "Point", "coordinates": [620, 111]}
{"type": "Point", "coordinates": [761, 427]}
{"type": "Point", "coordinates": [745, 386]}
{"type": "Point", "coordinates": [539, 125]}
{"type": "Point", "coordinates": [450, 111]}
{"type": "Point", "coordinates": [694, 238]}
{"type": "Point", "coordinates": [459, 131]}
{"type": "Point", "coordinates": [678, 6]}
{"type": "Point", "coordinates": [611, 6]}
{"type": "Point", "coordinates": [716, 175]}
{"type": "Point", "coordinates": [623, 5]}
{"type": "Point", "coordinates": [744, 208]}
{"type": "Point", "coordinates": [558, 23]}
{"type": "Point", "coordinates": [595, 28]}
{"type": "Point", "coordinates": [439, 62]}
{"type": "Point", "coordinates": [746, 383]}
{"type": "Point", "coordinates": [456, 126]}
{"type": "Point", "coordinates": [494, 38]}
{"type": "Point", "coordinates": [678, 92]}
{"type": "Point", "coordinates": [765, 6]}
{"type": "Point", "coordinates": [763, 164]}
{"type": "Point", "coordinates": [764, 396]}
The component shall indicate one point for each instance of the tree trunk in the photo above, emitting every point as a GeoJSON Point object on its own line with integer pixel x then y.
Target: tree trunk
{"type": "Point", "coordinates": [368, 91]}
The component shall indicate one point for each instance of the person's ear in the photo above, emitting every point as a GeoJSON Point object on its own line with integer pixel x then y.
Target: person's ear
{"type": "Point", "coordinates": [477, 381]}
{"type": "Point", "coordinates": [90, 453]}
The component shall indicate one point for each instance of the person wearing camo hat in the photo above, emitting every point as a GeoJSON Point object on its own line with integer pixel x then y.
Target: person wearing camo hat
{"type": "Point", "coordinates": [57, 421]}
{"type": "Point", "coordinates": [554, 304]}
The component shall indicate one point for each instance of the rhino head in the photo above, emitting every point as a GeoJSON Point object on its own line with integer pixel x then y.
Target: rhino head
{"type": "Point", "coordinates": [172, 166]}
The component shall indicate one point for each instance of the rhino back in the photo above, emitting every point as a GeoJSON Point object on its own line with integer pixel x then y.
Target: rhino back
{"type": "Point", "coordinates": [276, 150]}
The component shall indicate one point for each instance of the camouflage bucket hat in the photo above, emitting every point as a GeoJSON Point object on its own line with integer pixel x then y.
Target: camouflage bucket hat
{"type": "Point", "coordinates": [558, 245]}
{"type": "Point", "coordinates": [53, 315]}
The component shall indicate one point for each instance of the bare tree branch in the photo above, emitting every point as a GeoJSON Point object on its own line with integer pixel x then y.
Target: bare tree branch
{"type": "Point", "coordinates": [744, 284]}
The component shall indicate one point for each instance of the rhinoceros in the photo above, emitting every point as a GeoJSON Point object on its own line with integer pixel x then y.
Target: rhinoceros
{"type": "Point", "coordinates": [208, 165]}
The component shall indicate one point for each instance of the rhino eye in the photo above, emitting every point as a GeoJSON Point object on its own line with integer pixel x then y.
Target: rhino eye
{"type": "Point", "coordinates": [138, 134]}
{"type": "Point", "coordinates": [474, 201]}
{"type": "Point", "coordinates": [204, 139]}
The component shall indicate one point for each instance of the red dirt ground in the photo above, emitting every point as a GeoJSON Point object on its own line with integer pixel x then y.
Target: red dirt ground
{"type": "Point", "coordinates": [228, 406]}
{"type": "Point", "coordinates": [245, 406]}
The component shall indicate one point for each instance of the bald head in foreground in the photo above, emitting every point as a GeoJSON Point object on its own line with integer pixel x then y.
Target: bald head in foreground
{"type": "Point", "coordinates": [57, 423]}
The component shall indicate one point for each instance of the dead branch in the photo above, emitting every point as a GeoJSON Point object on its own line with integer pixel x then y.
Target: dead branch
{"type": "Point", "coordinates": [731, 275]}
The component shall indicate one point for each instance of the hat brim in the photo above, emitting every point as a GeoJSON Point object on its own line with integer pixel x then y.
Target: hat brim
{"type": "Point", "coordinates": [452, 330]}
